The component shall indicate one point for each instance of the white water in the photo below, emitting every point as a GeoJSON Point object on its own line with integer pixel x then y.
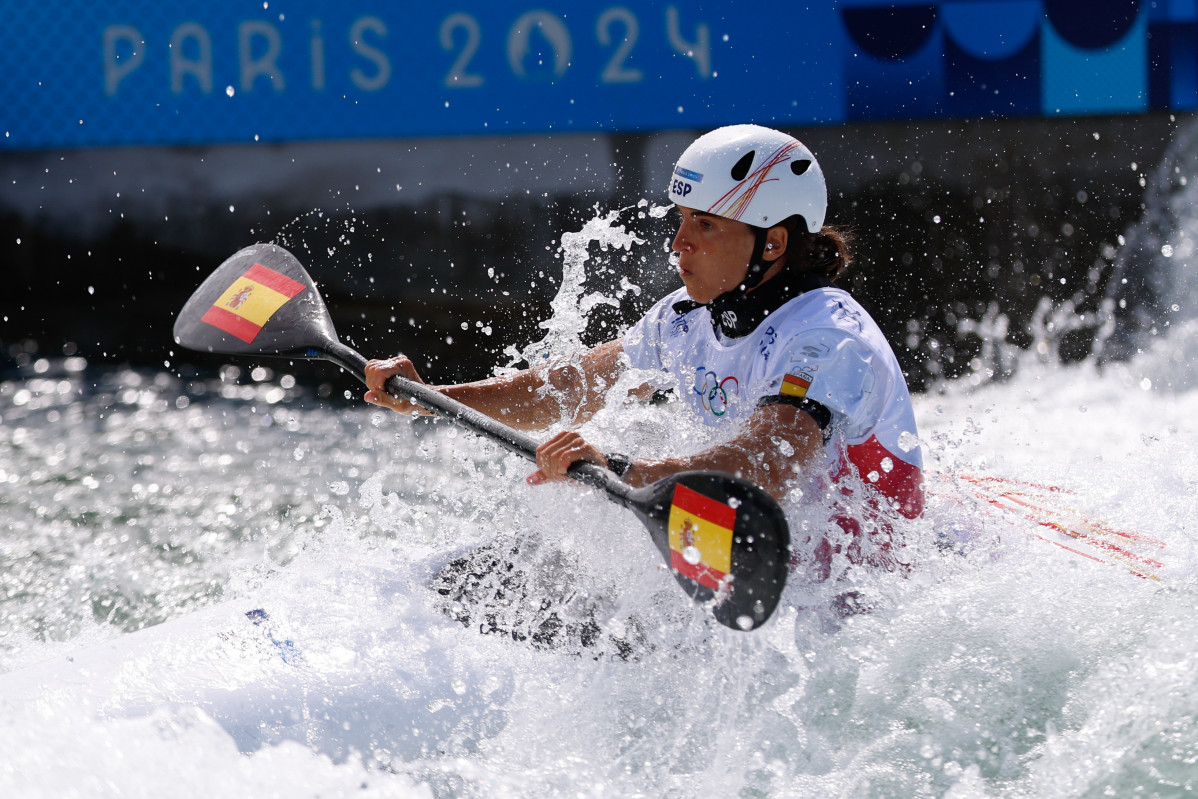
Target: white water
{"type": "Point", "coordinates": [1015, 669]}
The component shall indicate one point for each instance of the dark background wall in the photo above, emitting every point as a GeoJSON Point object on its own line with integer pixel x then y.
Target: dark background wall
{"type": "Point", "coordinates": [412, 238]}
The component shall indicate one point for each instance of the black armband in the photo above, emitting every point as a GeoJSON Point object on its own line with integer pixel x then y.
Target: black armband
{"type": "Point", "coordinates": [620, 464]}
{"type": "Point", "coordinates": [821, 415]}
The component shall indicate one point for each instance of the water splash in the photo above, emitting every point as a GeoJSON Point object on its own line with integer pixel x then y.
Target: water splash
{"type": "Point", "coordinates": [572, 305]}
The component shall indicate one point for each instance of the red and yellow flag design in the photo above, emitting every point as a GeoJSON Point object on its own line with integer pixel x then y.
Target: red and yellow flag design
{"type": "Point", "coordinates": [251, 301]}
{"type": "Point", "coordinates": [700, 536]}
{"type": "Point", "coordinates": [795, 385]}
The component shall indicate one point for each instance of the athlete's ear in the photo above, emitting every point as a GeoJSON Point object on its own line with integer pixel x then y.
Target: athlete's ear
{"type": "Point", "coordinates": [776, 239]}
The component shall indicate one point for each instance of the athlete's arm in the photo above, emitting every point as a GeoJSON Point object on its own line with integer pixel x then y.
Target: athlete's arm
{"type": "Point", "coordinates": [531, 399]}
{"type": "Point", "coordinates": [775, 444]}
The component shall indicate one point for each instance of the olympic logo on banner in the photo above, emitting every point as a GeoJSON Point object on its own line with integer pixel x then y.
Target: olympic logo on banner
{"type": "Point", "coordinates": [714, 392]}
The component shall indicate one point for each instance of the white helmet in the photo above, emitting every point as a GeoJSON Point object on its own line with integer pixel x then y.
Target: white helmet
{"type": "Point", "coordinates": [751, 174]}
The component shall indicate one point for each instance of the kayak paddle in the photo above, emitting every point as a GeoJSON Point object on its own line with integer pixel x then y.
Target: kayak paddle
{"type": "Point", "coordinates": [726, 540]}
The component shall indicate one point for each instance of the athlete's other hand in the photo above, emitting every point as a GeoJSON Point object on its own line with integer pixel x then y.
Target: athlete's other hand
{"type": "Point", "coordinates": [556, 455]}
{"type": "Point", "coordinates": [377, 373]}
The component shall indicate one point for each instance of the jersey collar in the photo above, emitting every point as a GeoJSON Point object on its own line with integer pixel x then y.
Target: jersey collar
{"type": "Point", "coordinates": [738, 312]}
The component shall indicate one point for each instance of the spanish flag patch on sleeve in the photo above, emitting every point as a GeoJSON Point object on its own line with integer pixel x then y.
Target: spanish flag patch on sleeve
{"type": "Point", "coordinates": [700, 536]}
{"type": "Point", "coordinates": [795, 385]}
{"type": "Point", "coordinates": [251, 301]}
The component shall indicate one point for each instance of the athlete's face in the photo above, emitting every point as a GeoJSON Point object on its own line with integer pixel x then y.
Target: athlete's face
{"type": "Point", "coordinates": [712, 253]}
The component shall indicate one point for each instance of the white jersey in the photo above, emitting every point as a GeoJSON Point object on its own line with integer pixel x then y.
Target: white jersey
{"type": "Point", "coordinates": [820, 345]}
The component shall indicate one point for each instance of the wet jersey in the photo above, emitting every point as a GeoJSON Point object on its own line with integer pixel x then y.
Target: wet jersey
{"type": "Point", "coordinates": [820, 346]}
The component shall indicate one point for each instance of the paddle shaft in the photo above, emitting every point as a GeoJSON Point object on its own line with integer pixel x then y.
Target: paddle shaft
{"type": "Point", "coordinates": [463, 415]}
{"type": "Point", "coordinates": [724, 539]}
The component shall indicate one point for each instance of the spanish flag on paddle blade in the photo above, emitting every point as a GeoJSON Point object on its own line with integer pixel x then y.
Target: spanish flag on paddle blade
{"type": "Point", "coordinates": [700, 537]}
{"type": "Point", "coordinates": [251, 301]}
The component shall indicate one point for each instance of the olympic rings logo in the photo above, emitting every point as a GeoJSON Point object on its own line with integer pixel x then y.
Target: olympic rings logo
{"type": "Point", "coordinates": [714, 392]}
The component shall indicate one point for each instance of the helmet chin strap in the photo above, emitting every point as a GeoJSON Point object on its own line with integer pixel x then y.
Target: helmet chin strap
{"type": "Point", "coordinates": [737, 302]}
{"type": "Point", "coordinates": [739, 312]}
{"type": "Point", "coordinates": [758, 266]}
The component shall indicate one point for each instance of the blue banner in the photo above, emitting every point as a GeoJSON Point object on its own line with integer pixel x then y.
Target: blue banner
{"type": "Point", "coordinates": [131, 72]}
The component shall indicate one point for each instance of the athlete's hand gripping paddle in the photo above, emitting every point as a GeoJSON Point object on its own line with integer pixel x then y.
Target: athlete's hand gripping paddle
{"type": "Point", "coordinates": [725, 539]}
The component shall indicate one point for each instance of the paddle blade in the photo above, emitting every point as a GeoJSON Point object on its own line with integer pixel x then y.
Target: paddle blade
{"type": "Point", "coordinates": [726, 541]}
{"type": "Point", "coordinates": [260, 301]}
